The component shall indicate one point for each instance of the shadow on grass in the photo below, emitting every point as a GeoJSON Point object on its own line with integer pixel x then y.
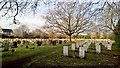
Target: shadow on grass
{"type": "Point", "coordinates": [79, 66]}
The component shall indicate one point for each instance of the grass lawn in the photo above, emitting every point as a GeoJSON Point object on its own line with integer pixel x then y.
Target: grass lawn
{"type": "Point", "coordinates": [49, 55]}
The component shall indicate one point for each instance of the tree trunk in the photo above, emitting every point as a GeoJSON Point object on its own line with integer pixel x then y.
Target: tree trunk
{"type": "Point", "coordinates": [75, 39]}
{"type": "Point", "coordinates": [70, 38]}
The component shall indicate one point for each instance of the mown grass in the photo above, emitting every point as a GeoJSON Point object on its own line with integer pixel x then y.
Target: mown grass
{"type": "Point", "coordinates": [49, 55]}
{"type": "Point", "coordinates": [92, 59]}
{"type": "Point", "coordinates": [21, 52]}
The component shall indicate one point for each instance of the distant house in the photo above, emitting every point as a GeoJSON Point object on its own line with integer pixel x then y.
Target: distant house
{"type": "Point", "coordinates": [6, 31]}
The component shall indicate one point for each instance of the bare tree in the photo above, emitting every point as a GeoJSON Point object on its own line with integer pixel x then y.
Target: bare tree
{"type": "Point", "coordinates": [108, 15]}
{"type": "Point", "coordinates": [21, 31]}
{"type": "Point", "coordinates": [37, 33]}
{"type": "Point", "coordinates": [69, 17]}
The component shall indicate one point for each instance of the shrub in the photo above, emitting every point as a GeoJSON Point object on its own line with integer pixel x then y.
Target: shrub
{"type": "Point", "coordinates": [117, 38]}
{"type": "Point", "coordinates": [117, 44]}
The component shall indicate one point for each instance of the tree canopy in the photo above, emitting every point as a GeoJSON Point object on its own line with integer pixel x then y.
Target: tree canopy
{"type": "Point", "coordinates": [70, 18]}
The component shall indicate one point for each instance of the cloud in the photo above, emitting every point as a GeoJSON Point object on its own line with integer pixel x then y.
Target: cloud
{"type": "Point", "coordinates": [29, 20]}
{"type": "Point", "coordinates": [32, 22]}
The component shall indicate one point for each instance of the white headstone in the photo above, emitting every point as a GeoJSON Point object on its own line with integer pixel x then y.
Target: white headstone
{"type": "Point", "coordinates": [65, 50]}
{"type": "Point", "coordinates": [109, 46]}
{"type": "Point", "coordinates": [80, 44]}
{"type": "Point", "coordinates": [81, 52]}
{"type": "Point", "coordinates": [77, 45]}
{"type": "Point", "coordinates": [98, 48]}
{"type": "Point", "coordinates": [97, 43]}
{"type": "Point", "coordinates": [85, 47]}
{"type": "Point", "coordinates": [92, 41]}
{"type": "Point", "coordinates": [73, 47]}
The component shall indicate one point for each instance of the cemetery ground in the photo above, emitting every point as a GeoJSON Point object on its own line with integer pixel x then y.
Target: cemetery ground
{"type": "Point", "coordinates": [46, 56]}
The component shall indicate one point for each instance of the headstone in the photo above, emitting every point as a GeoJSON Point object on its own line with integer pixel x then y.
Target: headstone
{"type": "Point", "coordinates": [81, 43]}
{"type": "Point", "coordinates": [73, 47]}
{"type": "Point", "coordinates": [109, 45]}
{"type": "Point", "coordinates": [77, 45]}
{"type": "Point", "coordinates": [85, 47]}
{"type": "Point", "coordinates": [97, 43]}
{"type": "Point", "coordinates": [92, 41]}
{"type": "Point", "coordinates": [39, 43]}
{"type": "Point", "coordinates": [65, 50]}
{"type": "Point", "coordinates": [13, 50]}
{"type": "Point", "coordinates": [15, 44]}
{"type": "Point", "coordinates": [64, 41]}
{"type": "Point", "coordinates": [19, 42]}
{"type": "Point", "coordinates": [98, 48]}
{"type": "Point", "coordinates": [26, 46]}
{"type": "Point", "coordinates": [81, 52]}
{"type": "Point", "coordinates": [54, 42]}
{"type": "Point", "coordinates": [60, 41]}
{"type": "Point", "coordinates": [23, 41]}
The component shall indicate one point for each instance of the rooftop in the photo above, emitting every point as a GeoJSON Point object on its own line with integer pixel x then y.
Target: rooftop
{"type": "Point", "coordinates": [7, 30]}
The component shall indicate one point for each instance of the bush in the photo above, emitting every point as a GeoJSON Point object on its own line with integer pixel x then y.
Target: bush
{"type": "Point", "coordinates": [117, 38]}
{"type": "Point", "coordinates": [117, 44]}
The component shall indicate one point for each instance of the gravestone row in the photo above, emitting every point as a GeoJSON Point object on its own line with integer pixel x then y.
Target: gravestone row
{"type": "Point", "coordinates": [84, 45]}
{"type": "Point", "coordinates": [13, 43]}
